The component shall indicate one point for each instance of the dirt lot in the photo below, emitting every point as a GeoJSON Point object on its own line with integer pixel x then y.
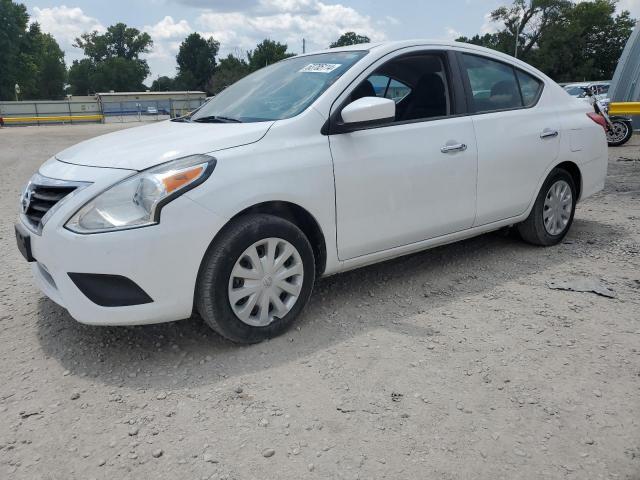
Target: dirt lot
{"type": "Point", "coordinates": [456, 363]}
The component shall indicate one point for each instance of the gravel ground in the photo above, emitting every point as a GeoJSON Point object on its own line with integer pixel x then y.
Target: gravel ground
{"type": "Point", "coordinates": [455, 363]}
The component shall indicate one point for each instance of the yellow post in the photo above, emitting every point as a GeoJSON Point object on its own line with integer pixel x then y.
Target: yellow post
{"type": "Point", "coordinates": [624, 108]}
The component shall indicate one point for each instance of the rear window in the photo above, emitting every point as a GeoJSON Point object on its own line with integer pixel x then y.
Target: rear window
{"type": "Point", "coordinates": [499, 86]}
{"type": "Point", "coordinates": [530, 88]}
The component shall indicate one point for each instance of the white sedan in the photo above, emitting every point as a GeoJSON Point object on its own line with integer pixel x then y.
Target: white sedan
{"type": "Point", "coordinates": [315, 165]}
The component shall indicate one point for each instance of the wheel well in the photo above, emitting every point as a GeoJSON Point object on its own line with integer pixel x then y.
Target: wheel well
{"type": "Point", "coordinates": [574, 171]}
{"type": "Point", "coordinates": [302, 219]}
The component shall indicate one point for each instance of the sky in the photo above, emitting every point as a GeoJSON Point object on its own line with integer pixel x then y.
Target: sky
{"type": "Point", "coordinates": [240, 24]}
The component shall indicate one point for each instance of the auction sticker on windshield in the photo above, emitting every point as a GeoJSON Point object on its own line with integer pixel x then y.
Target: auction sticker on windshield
{"type": "Point", "coordinates": [320, 67]}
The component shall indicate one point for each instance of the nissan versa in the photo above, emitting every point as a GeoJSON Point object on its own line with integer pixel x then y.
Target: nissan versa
{"type": "Point", "coordinates": [315, 165]}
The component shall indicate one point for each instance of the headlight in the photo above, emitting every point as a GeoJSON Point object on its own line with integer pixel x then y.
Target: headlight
{"type": "Point", "coordinates": [136, 201]}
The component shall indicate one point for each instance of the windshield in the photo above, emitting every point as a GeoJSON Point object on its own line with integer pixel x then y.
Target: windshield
{"type": "Point", "coordinates": [573, 90]}
{"type": "Point", "coordinates": [279, 91]}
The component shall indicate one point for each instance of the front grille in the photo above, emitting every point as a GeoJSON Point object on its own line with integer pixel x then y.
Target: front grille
{"type": "Point", "coordinates": [43, 198]}
{"type": "Point", "coordinates": [43, 195]}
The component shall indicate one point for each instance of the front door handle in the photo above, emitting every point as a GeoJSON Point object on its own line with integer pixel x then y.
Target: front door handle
{"type": "Point", "coordinates": [548, 133]}
{"type": "Point", "coordinates": [458, 147]}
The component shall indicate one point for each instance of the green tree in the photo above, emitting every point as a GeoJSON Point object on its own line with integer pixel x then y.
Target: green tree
{"type": "Point", "coordinates": [228, 71]}
{"type": "Point", "coordinates": [350, 38]}
{"type": "Point", "coordinates": [163, 84]}
{"type": "Point", "coordinates": [196, 62]}
{"type": "Point", "coordinates": [42, 72]}
{"type": "Point", "coordinates": [28, 57]}
{"type": "Point", "coordinates": [113, 61]}
{"type": "Point", "coordinates": [566, 40]}
{"type": "Point", "coordinates": [13, 23]}
{"type": "Point", "coordinates": [529, 20]}
{"type": "Point", "coordinates": [266, 53]}
{"type": "Point", "coordinates": [118, 41]}
{"type": "Point", "coordinates": [81, 75]}
{"type": "Point", "coordinates": [120, 74]}
{"type": "Point", "coordinates": [587, 44]}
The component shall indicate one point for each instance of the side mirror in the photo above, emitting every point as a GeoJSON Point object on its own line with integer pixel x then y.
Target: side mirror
{"type": "Point", "coordinates": [368, 111]}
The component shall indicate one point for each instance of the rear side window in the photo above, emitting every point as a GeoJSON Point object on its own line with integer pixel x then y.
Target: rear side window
{"type": "Point", "coordinates": [530, 88]}
{"type": "Point", "coordinates": [493, 84]}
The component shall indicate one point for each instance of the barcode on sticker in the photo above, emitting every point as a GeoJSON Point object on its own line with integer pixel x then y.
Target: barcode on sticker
{"type": "Point", "coordinates": [320, 67]}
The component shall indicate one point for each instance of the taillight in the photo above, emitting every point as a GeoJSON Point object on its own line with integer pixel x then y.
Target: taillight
{"type": "Point", "coordinates": [599, 119]}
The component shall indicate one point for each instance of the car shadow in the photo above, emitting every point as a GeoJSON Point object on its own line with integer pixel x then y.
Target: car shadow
{"type": "Point", "coordinates": [396, 295]}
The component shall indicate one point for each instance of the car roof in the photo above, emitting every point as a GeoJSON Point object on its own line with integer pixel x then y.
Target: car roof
{"type": "Point", "coordinates": [396, 44]}
{"type": "Point", "coordinates": [382, 48]}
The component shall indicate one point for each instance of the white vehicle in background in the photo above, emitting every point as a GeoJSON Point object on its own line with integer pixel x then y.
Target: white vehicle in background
{"type": "Point", "coordinates": [315, 165]}
{"type": "Point", "coordinates": [577, 90]}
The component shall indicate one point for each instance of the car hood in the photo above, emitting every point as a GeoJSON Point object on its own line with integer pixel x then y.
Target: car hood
{"type": "Point", "coordinates": [143, 147]}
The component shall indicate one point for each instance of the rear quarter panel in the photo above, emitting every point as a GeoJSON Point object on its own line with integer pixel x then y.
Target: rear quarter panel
{"type": "Point", "coordinates": [584, 143]}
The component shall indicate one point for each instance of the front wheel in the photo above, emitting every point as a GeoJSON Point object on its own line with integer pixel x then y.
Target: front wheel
{"type": "Point", "coordinates": [620, 133]}
{"type": "Point", "coordinates": [552, 213]}
{"type": "Point", "coordinates": [255, 279]}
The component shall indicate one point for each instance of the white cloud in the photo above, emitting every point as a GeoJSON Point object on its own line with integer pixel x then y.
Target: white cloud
{"type": "Point", "coordinates": [237, 24]}
{"type": "Point", "coordinates": [65, 23]}
{"type": "Point", "coordinates": [488, 26]}
{"type": "Point", "coordinates": [451, 33]}
{"type": "Point", "coordinates": [167, 35]}
{"type": "Point", "coordinates": [287, 21]}
{"type": "Point", "coordinates": [391, 20]}
{"type": "Point", "coordinates": [632, 5]}
{"type": "Point", "coordinates": [289, 6]}
{"type": "Point", "coordinates": [168, 28]}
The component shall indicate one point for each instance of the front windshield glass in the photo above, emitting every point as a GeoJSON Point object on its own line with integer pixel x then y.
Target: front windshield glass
{"type": "Point", "coordinates": [279, 91]}
{"type": "Point", "coordinates": [573, 90]}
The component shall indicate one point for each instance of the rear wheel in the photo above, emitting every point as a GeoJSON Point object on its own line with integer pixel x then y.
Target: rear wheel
{"type": "Point", "coordinates": [620, 133]}
{"type": "Point", "coordinates": [255, 279]}
{"type": "Point", "coordinates": [552, 213]}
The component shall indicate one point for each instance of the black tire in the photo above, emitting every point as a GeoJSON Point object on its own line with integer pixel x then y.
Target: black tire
{"type": "Point", "coordinates": [212, 300]}
{"type": "Point", "coordinates": [622, 126]}
{"type": "Point", "coordinates": [533, 230]}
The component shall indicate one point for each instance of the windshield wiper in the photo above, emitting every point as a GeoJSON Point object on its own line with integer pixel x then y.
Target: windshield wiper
{"type": "Point", "coordinates": [216, 119]}
{"type": "Point", "coordinates": [181, 119]}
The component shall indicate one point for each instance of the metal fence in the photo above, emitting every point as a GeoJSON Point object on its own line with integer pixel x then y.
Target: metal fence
{"type": "Point", "coordinates": [44, 112]}
{"type": "Point", "coordinates": [71, 111]}
{"type": "Point", "coordinates": [142, 110]}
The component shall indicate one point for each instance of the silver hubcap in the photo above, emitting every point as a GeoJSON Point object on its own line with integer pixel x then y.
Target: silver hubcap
{"type": "Point", "coordinates": [618, 132]}
{"type": "Point", "coordinates": [265, 282]}
{"type": "Point", "coordinates": [557, 208]}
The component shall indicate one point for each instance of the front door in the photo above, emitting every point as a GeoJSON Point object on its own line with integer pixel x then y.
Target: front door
{"type": "Point", "coordinates": [414, 178]}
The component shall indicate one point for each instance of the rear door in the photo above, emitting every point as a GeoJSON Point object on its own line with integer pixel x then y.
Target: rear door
{"type": "Point", "coordinates": [517, 133]}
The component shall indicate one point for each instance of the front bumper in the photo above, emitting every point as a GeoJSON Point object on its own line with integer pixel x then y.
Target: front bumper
{"type": "Point", "coordinates": [163, 260]}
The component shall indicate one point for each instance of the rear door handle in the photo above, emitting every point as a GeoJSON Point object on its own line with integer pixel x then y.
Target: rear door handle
{"type": "Point", "coordinates": [458, 147]}
{"type": "Point", "coordinates": [548, 133]}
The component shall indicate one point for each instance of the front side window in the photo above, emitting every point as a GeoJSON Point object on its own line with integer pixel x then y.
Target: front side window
{"type": "Point", "coordinates": [387, 87]}
{"type": "Point", "coordinates": [418, 84]}
{"type": "Point", "coordinates": [493, 84]}
{"type": "Point", "coordinates": [279, 91]}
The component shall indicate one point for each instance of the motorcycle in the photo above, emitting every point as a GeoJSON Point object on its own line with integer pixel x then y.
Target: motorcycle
{"type": "Point", "coordinates": [619, 129]}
